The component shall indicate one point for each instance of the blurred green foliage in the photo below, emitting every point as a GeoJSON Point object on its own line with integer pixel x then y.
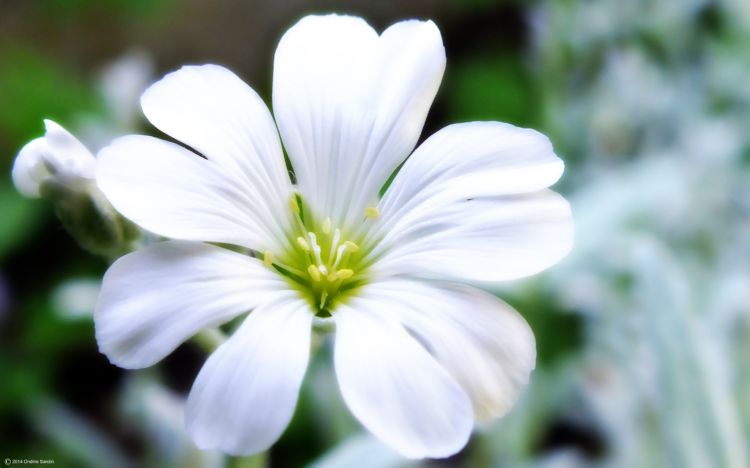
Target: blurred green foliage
{"type": "Point", "coordinates": [491, 86]}
{"type": "Point", "coordinates": [20, 217]}
{"type": "Point", "coordinates": [35, 86]}
{"type": "Point", "coordinates": [73, 7]}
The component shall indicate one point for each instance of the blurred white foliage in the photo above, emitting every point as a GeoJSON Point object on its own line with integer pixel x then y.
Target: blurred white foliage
{"type": "Point", "coordinates": [666, 398]}
{"type": "Point", "coordinates": [363, 451]}
{"type": "Point", "coordinates": [77, 435]}
{"type": "Point", "coordinates": [75, 298]}
{"type": "Point", "coordinates": [157, 415]}
{"type": "Point", "coordinates": [652, 103]}
{"type": "Point", "coordinates": [121, 84]}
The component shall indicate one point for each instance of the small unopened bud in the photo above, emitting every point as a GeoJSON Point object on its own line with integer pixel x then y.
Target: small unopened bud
{"type": "Point", "coordinates": [58, 168]}
{"type": "Point", "coordinates": [89, 217]}
{"type": "Point", "coordinates": [56, 154]}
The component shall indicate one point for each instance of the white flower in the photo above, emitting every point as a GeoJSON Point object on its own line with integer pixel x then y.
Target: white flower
{"type": "Point", "coordinates": [418, 356]}
{"type": "Point", "coordinates": [57, 155]}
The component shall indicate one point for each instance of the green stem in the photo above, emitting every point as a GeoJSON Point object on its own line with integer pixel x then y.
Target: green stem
{"type": "Point", "coordinates": [259, 460]}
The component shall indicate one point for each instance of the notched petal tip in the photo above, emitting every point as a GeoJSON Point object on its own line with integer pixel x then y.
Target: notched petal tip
{"type": "Point", "coordinates": [329, 20]}
{"type": "Point", "coordinates": [368, 95]}
{"type": "Point", "coordinates": [427, 28]}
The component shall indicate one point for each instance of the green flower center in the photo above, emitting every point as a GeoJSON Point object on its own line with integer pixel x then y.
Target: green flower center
{"type": "Point", "coordinates": [322, 261]}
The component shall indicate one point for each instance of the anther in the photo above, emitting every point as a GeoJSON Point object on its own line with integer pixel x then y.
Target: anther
{"type": "Point", "coordinates": [303, 243]}
{"type": "Point", "coordinates": [351, 246]}
{"type": "Point", "coordinates": [372, 212]}
{"type": "Point", "coordinates": [314, 272]}
{"type": "Point", "coordinates": [267, 258]}
{"type": "Point", "coordinates": [327, 225]}
{"type": "Point", "coordinates": [345, 273]}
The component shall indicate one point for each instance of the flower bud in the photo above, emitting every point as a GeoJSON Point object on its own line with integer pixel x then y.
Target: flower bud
{"type": "Point", "coordinates": [59, 168]}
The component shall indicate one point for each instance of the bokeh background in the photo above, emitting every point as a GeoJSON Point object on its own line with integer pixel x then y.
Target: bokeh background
{"type": "Point", "coordinates": [643, 332]}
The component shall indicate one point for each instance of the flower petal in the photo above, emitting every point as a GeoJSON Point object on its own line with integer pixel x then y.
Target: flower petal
{"type": "Point", "coordinates": [466, 206]}
{"type": "Point", "coordinates": [212, 110]}
{"type": "Point", "coordinates": [479, 241]}
{"type": "Point", "coordinates": [56, 152]}
{"type": "Point", "coordinates": [485, 344]}
{"type": "Point", "coordinates": [350, 105]}
{"type": "Point", "coordinates": [28, 169]}
{"type": "Point", "coordinates": [68, 154]}
{"type": "Point", "coordinates": [467, 161]}
{"type": "Point", "coordinates": [394, 387]}
{"type": "Point", "coordinates": [173, 192]}
{"type": "Point", "coordinates": [155, 298]}
{"type": "Point", "coordinates": [245, 395]}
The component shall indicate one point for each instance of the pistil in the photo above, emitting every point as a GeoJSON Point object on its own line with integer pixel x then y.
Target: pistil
{"type": "Point", "coordinates": [319, 260]}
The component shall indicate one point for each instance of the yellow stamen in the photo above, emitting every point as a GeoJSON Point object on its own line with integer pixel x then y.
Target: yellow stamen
{"type": "Point", "coordinates": [327, 226]}
{"type": "Point", "coordinates": [351, 246]}
{"type": "Point", "coordinates": [314, 272]}
{"type": "Point", "coordinates": [303, 243]}
{"type": "Point", "coordinates": [333, 276]}
{"type": "Point", "coordinates": [267, 258]}
{"type": "Point", "coordinates": [345, 273]}
{"type": "Point", "coordinates": [372, 212]}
